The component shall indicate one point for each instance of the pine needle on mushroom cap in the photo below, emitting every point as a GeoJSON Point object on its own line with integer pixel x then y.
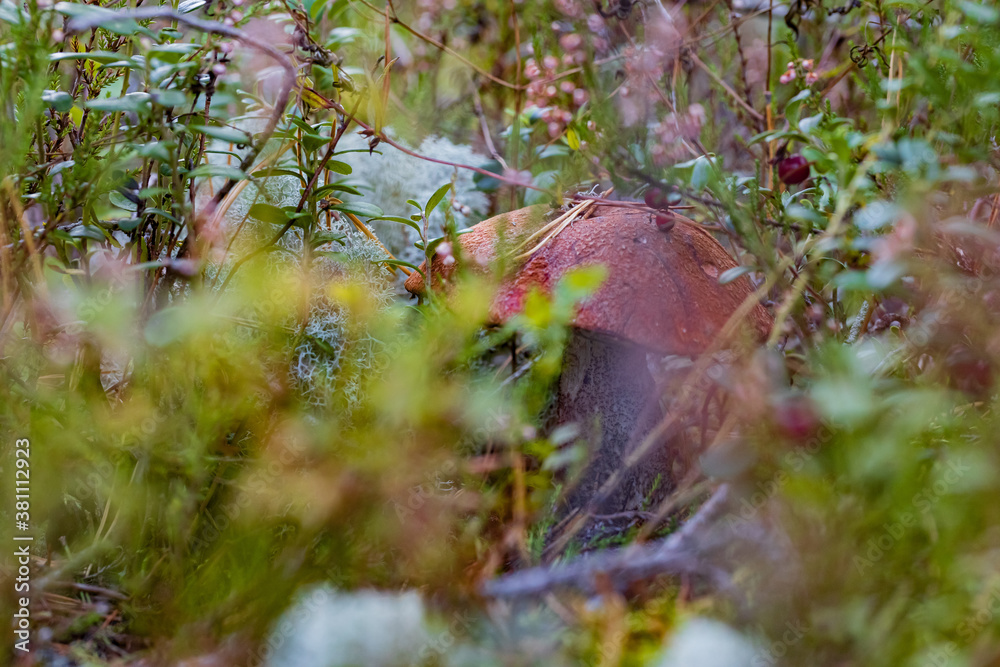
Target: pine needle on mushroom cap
{"type": "Point", "coordinates": [662, 289]}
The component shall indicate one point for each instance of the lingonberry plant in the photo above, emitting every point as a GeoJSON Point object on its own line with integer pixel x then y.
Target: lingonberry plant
{"type": "Point", "coordinates": [248, 447]}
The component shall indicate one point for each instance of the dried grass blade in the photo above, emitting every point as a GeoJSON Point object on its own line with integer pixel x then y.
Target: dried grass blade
{"type": "Point", "coordinates": [567, 219]}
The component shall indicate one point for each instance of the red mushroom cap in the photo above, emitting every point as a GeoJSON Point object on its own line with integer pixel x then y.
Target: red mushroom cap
{"type": "Point", "coordinates": [662, 290]}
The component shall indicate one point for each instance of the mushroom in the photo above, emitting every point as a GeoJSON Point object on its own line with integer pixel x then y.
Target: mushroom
{"type": "Point", "coordinates": [661, 296]}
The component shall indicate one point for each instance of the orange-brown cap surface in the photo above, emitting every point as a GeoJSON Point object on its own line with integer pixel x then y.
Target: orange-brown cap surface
{"type": "Point", "coordinates": [662, 289]}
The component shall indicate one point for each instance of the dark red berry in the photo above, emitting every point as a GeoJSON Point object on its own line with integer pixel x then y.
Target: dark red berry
{"type": "Point", "coordinates": [655, 198]}
{"type": "Point", "coordinates": [793, 170]}
{"type": "Point", "coordinates": [796, 418]}
{"type": "Point", "coordinates": [665, 221]}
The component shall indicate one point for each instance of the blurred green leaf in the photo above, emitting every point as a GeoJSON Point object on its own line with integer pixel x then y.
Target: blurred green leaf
{"type": "Point", "coordinates": [436, 198]}
{"type": "Point", "coordinates": [359, 208]}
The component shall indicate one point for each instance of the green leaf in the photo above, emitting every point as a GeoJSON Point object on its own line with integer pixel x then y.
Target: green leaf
{"type": "Point", "coordinates": [402, 221]}
{"type": "Point", "coordinates": [188, 6]}
{"type": "Point", "coordinates": [102, 57]}
{"type": "Point", "coordinates": [108, 20]}
{"type": "Point", "coordinates": [274, 171]}
{"type": "Point", "coordinates": [399, 262]}
{"type": "Point", "coordinates": [218, 170]}
{"type": "Point", "coordinates": [800, 213]}
{"type": "Point", "coordinates": [794, 106]}
{"type": "Point", "coordinates": [11, 12]}
{"type": "Point", "coordinates": [486, 183]}
{"type": "Point", "coordinates": [88, 232]}
{"type": "Point", "coordinates": [341, 36]}
{"type": "Point", "coordinates": [229, 134]}
{"type": "Point", "coordinates": [163, 214]}
{"type": "Point", "coordinates": [876, 215]}
{"type": "Point", "coordinates": [808, 125]}
{"type": "Point", "coordinates": [302, 219]}
{"type": "Point", "coordinates": [313, 142]}
{"type": "Point", "coordinates": [432, 246]}
{"type": "Point", "coordinates": [301, 124]}
{"type": "Point", "coordinates": [269, 213]}
{"type": "Point", "coordinates": [169, 98]}
{"type": "Point", "coordinates": [573, 139]}
{"type": "Point", "coordinates": [134, 102]}
{"type": "Point", "coordinates": [338, 187]}
{"type": "Point", "coordinates": [436, 198]}
{"type": "Point", "coordinates": [359, 208]}
{"type": "Point", "coordinates": [324, 346]}
{"type": "Point", "coordinates": [58, 100]}
{"type": "Point", "coordinates": [323, 237]}
{"type": "Point", "coordinates": [122, 202]}
{"type": "Point", "coordinates": [169, 325]}
{"type": "Point", "coordinates": [578, 284]}
{"type": "Point", "coordinates": [172, 53]}
{"type": "Point", "coordinates": [128, 224]}
{"type": "Point", "coordinates": [339, 167]}
{"type": "Point", "coordinates": [156, 150]}
{"type": "Point", "coordinates": [701, 173]}
{"type": "Point", "coordinates": [729, 275]}
{"type": "Point", "coordinates": [315, 7]}
{"type": "Point", "coordinates": [544, 152]}
{"type": "Point", "coordinates": [979, 12]}
{"type": "Point", "coordinates": [235, 154]}
{"type": "Point", "coordinates": [777, 135]}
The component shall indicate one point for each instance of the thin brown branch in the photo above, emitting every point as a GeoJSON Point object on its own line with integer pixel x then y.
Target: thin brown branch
{"type": "Point", "coordinates": [680, 553]}
{"type": "Point", "coordinates": [433, 42]}
{"type": "Point", "coordinates": [756, 115]}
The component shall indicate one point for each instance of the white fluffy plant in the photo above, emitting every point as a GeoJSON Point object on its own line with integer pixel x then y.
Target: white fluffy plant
{"type": "Point", "coordinates": [388, 177]}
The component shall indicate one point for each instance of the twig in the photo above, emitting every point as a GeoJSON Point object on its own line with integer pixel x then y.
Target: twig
{"type": "Point", "coordinates": [756, 115]}
{"type": "Point", "coordinates": [477, 106]}
{"type": "Point", "coordinates": [680, 553]}
{"type": "Point", "coordinates": [384, 138]}
{"type": "Point", "coordinates": [515, 135]}
{"type": "Point", "coordinates": [439, 45]}
{"type": "Point", "coordinates": [769, 96]}
{"type": "Point", "coordinates": [89, 588]}
{"type": "Point", "coordinates": [29, 239]}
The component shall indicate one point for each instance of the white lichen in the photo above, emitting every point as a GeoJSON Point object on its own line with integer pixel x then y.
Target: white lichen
{"type": "Point", "coordinates": [388, 178]}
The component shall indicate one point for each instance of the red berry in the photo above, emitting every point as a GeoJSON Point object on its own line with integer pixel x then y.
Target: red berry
{"type": "Point", "coordinates": [793, 170]}
{"type": "Point", "coordinates": [665, 221]}
{"type": "Point", "coordinates": [796, 418]}
{"type": "Point", "coordinates": [655, 198]}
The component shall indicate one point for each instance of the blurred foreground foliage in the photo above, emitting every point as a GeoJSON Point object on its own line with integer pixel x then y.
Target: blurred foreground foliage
{"type": "Point", "coordinates": [229, 405]}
